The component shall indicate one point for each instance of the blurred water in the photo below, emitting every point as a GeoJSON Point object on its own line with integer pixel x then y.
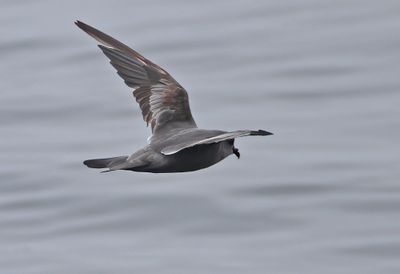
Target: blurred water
{"type": "Point", "coordinates": [320, 196]}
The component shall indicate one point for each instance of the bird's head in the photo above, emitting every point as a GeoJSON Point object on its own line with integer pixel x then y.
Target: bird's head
{"type": "Point", "coordinates": [234, 149]}
{"type": "Point", "coordinates": [236, 152]}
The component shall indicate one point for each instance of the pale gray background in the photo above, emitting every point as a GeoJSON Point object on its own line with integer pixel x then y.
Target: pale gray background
{"type": "Point", "coordinates": [320, 196]}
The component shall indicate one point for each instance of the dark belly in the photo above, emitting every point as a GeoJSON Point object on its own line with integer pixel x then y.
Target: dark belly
{"type": "Point", "coordinates": [194, 158]}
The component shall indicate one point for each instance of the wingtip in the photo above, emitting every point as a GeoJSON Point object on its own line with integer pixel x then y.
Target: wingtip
{"type": "Point", "coordinates": [264, 132]}
{"type": "Point", "coordinates": [78, 23]}
{"type": "Point", "coordinates": [85, 27]}
{"type": "Point", "coordinates": [102, 47]}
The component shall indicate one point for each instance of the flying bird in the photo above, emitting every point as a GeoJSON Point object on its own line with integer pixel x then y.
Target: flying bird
{"type": "Point", "coordinates": [176, 143]}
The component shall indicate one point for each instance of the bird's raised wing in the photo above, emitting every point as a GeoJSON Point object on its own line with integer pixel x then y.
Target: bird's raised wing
{"type": "Point", "coordinates": [163, 101]}
{"type": "Point", "coordinates": [219, 137]}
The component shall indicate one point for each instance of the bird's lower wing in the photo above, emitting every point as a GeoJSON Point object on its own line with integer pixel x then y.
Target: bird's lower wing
{"type": "Point", "coordinates": [214, 139]}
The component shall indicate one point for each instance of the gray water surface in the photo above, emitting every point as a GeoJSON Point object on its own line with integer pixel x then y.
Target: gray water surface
{"type": "Point", "coordinates": [320, 196]}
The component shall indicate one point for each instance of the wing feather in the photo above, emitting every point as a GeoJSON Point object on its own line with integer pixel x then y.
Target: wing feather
{"type": "Point", "coordinates": [163, 101]}
{"type": "Point", "coordinates": [214, 139]}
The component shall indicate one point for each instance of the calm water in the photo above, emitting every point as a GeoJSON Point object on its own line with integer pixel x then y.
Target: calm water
{"type": "Point", "coordinates": [320, 196]}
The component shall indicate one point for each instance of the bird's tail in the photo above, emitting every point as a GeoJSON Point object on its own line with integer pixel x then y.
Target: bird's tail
{"type": "Point", "coordinates": [106, 162]}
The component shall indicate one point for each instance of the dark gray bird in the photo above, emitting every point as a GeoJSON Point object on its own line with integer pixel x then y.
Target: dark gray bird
{"type": "Point", "coordinates": [176, 144]}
